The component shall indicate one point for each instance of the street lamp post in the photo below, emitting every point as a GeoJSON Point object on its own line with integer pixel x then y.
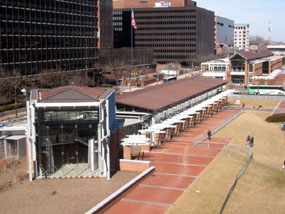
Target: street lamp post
{"type": "Point", "coordinates": [28, 144]}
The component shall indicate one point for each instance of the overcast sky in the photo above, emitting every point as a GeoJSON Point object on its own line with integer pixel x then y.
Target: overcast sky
{"type": "Point", "coordinates": [255, 12]}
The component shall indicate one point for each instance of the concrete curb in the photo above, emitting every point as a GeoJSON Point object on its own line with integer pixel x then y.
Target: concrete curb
{"type": "Point", "coordinates": [119, 191]}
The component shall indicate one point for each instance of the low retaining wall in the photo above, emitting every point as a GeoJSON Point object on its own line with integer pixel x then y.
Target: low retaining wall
{"type": "Point", "coordinates": [120, 191]}
{"type": "Point", "coordinates": [134, 165]}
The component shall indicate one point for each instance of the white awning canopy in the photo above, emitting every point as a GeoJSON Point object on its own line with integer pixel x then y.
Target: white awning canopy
{"type": "Point", "coordinates": [169, 123]}
{"type": "Point", "coordinates": [16, 137]}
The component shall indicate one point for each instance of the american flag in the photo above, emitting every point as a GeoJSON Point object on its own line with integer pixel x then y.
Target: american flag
{"type": "Point", "coordinates": [133, 20]}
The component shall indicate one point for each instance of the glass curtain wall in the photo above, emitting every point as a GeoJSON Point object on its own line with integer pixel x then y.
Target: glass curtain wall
{"type": "Point", "coordinates": [65, 139]}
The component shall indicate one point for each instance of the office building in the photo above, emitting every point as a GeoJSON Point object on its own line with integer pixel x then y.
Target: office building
{"type": "Point", "coordinates": [176, 34]}
{"type": "Point", "coordinates": [57, 42]}
{"type": "Point", "coordinates": [39, 36]}
{"type": "Point", "coordinates": [105, 23]}
{"type": "Point", "coordinates": [122, 4]}
{"type": "Point", "coordinates": [224, 35]}
{"type": "Point", "coordinates": [247, 67]}
{"type": "Point", "coordinates": [241, 37]}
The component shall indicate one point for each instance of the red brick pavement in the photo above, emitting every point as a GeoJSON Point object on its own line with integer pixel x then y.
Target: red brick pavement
{"type": "Point", "coordinates": [177, 164]}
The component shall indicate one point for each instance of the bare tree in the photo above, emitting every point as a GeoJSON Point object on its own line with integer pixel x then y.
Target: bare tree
{"type": "Point", "coordinates": [260, 42]}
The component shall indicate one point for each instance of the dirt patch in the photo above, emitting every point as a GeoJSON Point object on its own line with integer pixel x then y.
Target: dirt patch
{"type": "Point", "coordinates": [267, 104]}
{"type": "Point", "coordinates": [55, 195]}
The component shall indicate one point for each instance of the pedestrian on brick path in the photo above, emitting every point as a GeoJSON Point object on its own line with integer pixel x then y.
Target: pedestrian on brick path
{"type": "Point", "coordinates": [209, 134]}
{"type": "Point", "coordinates": [248, 140]}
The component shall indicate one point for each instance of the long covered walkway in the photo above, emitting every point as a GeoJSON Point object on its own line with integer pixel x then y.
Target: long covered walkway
{"type": "Point", "coordinates": [177, 164]}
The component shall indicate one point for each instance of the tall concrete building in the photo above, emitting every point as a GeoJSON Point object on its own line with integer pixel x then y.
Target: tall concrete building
{"type": "Point", "coordinates": [53, 36]}
{"type": "Point", "coordinates": [242, 36]}
{"type": "Point", "coordinates": [224, 35]}
{"type": "Point", "coordinates": [177, 31]}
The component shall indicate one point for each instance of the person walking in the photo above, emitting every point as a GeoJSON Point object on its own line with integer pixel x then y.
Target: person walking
{"type": "Point", "coordinates": [209, 135]}
{"type": "Point", "coordinates": [251, 142]}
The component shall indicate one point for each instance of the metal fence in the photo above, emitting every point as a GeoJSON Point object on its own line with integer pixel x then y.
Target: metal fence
{"type": "Point", "coordinates": [204, 137]}
{"type": "Point", "coordinates": [241, 172]}
{"type": "Point", "coordinates": [258, 97]}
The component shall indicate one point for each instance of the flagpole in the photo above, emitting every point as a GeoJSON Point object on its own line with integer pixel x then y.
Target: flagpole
{"type": "Point", "coordinates": [131, 47]}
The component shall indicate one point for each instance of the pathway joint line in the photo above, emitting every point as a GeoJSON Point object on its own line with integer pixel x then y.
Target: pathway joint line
{"type": "Point", "coordinates": [182, 164]}
{"type": "Point", "coordinates": [146, 202]}
{"type": "Point", "coordinates": [161, 187]}
{"type": "Point", "coordinates": [166, 153]}
{"type": "Point", "coordinates": [170, 174]}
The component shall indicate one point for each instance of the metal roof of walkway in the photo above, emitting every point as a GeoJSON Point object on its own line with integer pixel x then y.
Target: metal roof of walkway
{"type": "Point", "coordinates": [169, 123]}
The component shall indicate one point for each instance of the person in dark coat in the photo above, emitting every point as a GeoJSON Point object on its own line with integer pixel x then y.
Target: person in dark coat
{"type": "Point", "coordinates": [209, 135]}
{"type": "Point", "coordinates": [251, 141]}
{"type": "Point", "coordinates": [248, 140]}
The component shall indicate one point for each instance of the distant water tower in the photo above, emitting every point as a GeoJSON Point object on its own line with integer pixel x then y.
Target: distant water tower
{"type": "Point", "coordinates": [269, 31]}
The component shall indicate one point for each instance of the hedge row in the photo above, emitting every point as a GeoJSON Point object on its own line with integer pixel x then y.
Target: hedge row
{"type": "Point", "coordinates": [11, 107]}
{"type": "Point", "coordinates": [276, 118]}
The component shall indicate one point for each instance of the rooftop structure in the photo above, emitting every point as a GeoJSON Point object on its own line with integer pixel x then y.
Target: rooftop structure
{"type": "Point", "coordinates": [278, 50]}
{"type": "Point", "coordinates": [13, 139]}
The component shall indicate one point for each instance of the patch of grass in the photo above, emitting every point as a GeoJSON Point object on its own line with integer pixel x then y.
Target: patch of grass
{"type": "Point", "coordinates": [276, 118]}
{"type": "Point", "coordinates": [11, 106]}
{"type": "Point", "coordinates": [106, 86]}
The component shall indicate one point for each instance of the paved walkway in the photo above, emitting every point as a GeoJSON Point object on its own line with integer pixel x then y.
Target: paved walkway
{"type": "Point", "coordinates": [177, 164]}
{"type": "Point", "coordinates": [280, 109]}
